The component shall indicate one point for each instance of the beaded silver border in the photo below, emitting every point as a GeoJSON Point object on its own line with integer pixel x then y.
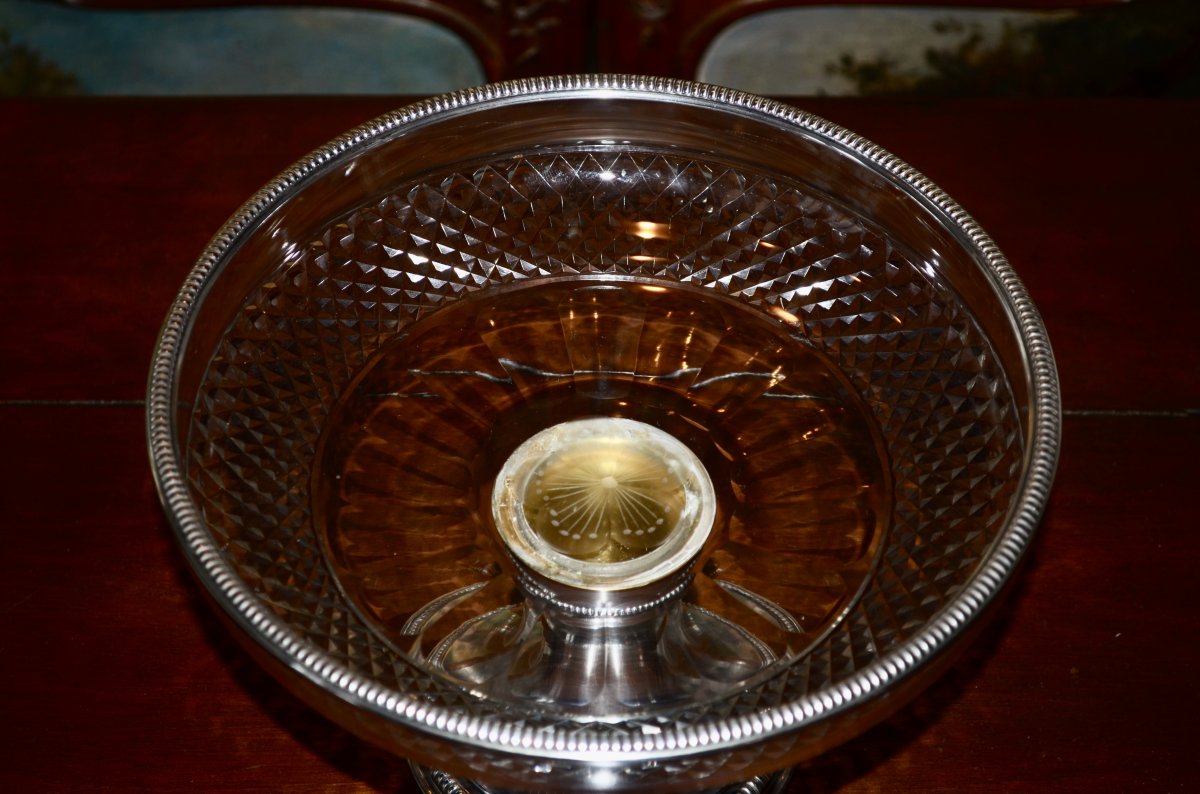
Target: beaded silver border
{"type": "Point", "coordinates": [603, 744]}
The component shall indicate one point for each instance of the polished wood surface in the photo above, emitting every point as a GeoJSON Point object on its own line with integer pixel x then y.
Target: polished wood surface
{"type": "Point", "coordinates": [114, 674]}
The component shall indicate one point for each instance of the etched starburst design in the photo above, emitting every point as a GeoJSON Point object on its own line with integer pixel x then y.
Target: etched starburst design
{"type": "Point", "coordinates": [605, 501]}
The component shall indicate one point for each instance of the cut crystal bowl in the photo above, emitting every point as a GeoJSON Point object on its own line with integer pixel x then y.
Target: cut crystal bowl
{"type": "Point", "coordinates": [603, 433]}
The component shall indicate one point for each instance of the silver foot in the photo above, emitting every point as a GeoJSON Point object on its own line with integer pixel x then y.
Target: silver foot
{"type": "Point", "coordinates": [434, 781]}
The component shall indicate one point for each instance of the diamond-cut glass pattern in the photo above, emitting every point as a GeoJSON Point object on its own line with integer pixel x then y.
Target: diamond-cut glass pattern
{"type": "Point", "coordinates": [918, 360]}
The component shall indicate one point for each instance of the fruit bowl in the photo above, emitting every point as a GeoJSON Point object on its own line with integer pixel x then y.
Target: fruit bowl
{"type": "Point", "coordinates": [603, 433]}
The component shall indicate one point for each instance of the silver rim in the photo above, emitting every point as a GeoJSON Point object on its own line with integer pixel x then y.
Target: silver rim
{"type": "Point", "coordinates": [603, 743]}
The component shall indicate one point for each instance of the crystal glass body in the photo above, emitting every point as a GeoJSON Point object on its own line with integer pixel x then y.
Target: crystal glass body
{"type": "Point", "coordinates": [861, 377]}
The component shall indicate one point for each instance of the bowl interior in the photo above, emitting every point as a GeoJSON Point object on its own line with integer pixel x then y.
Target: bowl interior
{"type": "Point", "coordinates": [384, 325]}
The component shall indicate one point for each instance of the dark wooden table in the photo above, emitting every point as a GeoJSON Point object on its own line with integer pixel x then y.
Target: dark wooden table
{"type": "Point", "coordinates": [114, 675]}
